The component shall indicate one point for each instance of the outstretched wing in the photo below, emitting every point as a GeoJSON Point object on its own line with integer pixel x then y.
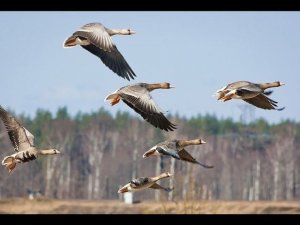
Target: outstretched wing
{"type": "Point", "coordinates": [113, 60]}
{"type": "Point", "coordinates": [102, 46]}
{"type": "Point", "coordinates": [143, 104]}
{"type": "Point", "coordinates": [263, 102]}
{"type": "Point", "coordinates": [184, 155]}
{"type": "Point", "coordinates": [157, 186]}
{"type": "Point", "coordinates": [20, 137]}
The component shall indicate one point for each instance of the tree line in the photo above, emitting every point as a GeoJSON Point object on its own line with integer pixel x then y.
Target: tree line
{"type": "Point", "coordinates": [101, 152]}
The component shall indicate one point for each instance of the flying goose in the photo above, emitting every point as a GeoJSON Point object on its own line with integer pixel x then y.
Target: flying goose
{"type": "Point", "coordinates": [142, 183]}
{"type": "Point", "coordinates": [22, 141]}
{"type": "Point", "coordinates": [175, 149]}
{"type": "Point", "coordinates": [96, 38]}
{"type": "Point", "coordinates": [137, 97]}
{"type": "Point", "coordinates": [253, 93]}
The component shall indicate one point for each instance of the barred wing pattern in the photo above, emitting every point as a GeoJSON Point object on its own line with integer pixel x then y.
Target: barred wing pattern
{"type": "Point", "coordinates": [103, 47]}
{"type": "Point", "coordinates": [113, 60]}
{"type": "Point", "coordinates": [142, 103]}
{"type": "Point", "coordinates": [21, 138]}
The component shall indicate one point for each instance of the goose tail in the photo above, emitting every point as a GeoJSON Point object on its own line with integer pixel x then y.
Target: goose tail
{"type": "Point", "coordinates": [114, 98]}
{"type": "Point", "coordinates": [70, 42]}
{"type": "Point", "coordinates": [9, 162]}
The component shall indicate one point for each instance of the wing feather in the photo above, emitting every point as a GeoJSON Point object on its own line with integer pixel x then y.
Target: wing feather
{"type": "Point", "coordinates": [19, 136]}
{"type": "Point", "coordinates": [139, 99]}
{"type": "Point", "coordinates": [184, 155]}
{"type": "Point", "coordinates": [263, 102]}
{"type": "Point", "coordinates": [113, 60]}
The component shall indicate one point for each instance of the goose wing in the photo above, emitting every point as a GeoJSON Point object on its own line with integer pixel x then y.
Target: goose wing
{"type": "Point", "coordinates": [184, 155]}
{"type": "Point", "coordinates": [139, 181]}
{"type": "Point", "coordinates": [229, 87]}
{"type": "Point", "coordinates": [157, 186]}
{"type": "Point", "coordinates": [103, 47]}
{"type": "Point", "coordinates": [141, 102]}
{"type": "Point", "coordinates": [168, 148]}
{"type": "Point", "coordinates": [97, 35]}
{"type": "Point", "coordinates": [113, 60]}
{"type": "Point", "coordinates": [238, 84]}
{"type": "Point", "coordinates": [249, 90]}
{"type": "Point", "coordinates": [19, 136]}
{"type": "Point", "coordinates": [263, 102]}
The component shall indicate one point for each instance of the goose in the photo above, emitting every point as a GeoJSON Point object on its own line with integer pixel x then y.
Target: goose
{"type": "Point", "coordinates": [137, 96]}
{"type": "Point", "coordinates": [252, 93]}
{"type": "Point", "coordinates": [176, 149]}
{"type": "Point", "coordinates": [96, 38]}
{"type": "Point", "coordinates": [22, 141]}
{"type": "Point", "coordinates": [142, 183]}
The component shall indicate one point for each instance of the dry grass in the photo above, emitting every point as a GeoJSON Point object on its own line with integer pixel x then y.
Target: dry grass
{"type": "Point", "coordinates": [49, 206]}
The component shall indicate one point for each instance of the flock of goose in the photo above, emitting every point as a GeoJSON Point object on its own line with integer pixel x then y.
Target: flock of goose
{"type": "Point", "coordinates": [96, 38]}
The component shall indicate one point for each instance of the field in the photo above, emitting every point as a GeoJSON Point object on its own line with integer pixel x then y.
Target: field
{"type": "Point", "coordinates": [49, 206]}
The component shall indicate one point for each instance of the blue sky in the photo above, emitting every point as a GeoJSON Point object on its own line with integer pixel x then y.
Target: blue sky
{"type": "Point", "coordinates": [198, 52]}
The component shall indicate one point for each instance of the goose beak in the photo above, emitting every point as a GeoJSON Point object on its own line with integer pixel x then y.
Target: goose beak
{"type": "Point", "coordinates": [172, 86]}
{"type": "Point", "coordinates": [132, 32]}
{"type": "Point", "coordinates": [203, 142]}
{"type": "Point", "coordinates": [281, 83]}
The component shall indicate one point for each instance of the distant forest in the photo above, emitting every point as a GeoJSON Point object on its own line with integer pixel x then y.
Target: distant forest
{"type": "Point", "coordinates": [101, 152]}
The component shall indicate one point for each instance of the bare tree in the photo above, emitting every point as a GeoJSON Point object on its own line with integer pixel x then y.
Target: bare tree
{"type": "Point", "coordinates": [96, 141]}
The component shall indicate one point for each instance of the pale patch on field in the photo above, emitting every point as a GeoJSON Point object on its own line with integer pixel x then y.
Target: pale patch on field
{"type": "Point", "coordinates": [49, 206]}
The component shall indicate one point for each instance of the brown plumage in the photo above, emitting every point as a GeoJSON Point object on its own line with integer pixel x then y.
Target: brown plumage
{"type": "Point", "coordinates": [137, 97]}
{"type": "Point", "coordinates": [142, 183]}
{"type": "Point", "coordinates": [96, 39]}
{"type": "Point", "coordinates": [252, 93]}
{"type": "Point", "coordinates": [22, 141]}
{"type": "Point", "coordinates": [176, 149]}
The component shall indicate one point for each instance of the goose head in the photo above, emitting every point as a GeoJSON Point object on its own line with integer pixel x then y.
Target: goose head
{"type": "Point", "coordinates": [127, 31]}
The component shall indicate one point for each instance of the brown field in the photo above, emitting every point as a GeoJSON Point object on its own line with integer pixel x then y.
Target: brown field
{"type": "Point", "coordinates": [47, 206]}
